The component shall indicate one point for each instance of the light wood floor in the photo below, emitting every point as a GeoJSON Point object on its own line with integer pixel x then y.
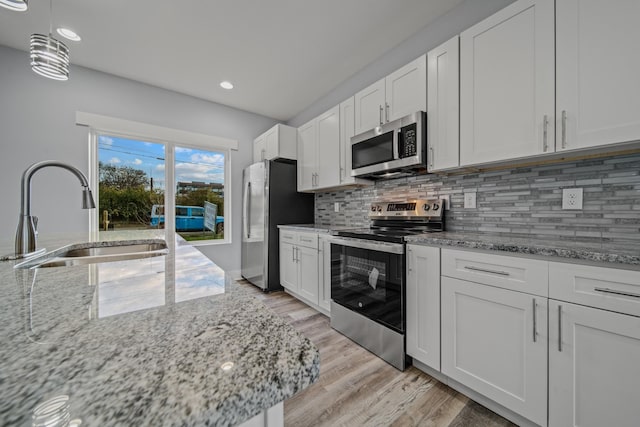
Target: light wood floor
{"type": "Point", "coordinates": [356, 388]}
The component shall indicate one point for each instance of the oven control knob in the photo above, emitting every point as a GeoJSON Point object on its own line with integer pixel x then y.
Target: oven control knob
{"type": "Point", "coordinates": [436, 206]}
{"type": "Point", "coordinates": [379, 208]}
{"type": "Point", "coordinates": [426, 207]}
{"type": "Point", "coordinates": [373, 208]}
{"type": "Point", "coordinates": [360, 304]}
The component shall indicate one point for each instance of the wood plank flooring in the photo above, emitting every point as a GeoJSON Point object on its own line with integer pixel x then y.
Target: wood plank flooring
{"type": "Point", "coordinates": [356, 388]}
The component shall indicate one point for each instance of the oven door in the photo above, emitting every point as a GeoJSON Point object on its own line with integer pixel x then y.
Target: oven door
{"type": "Point", "coordinates": [368, 278]}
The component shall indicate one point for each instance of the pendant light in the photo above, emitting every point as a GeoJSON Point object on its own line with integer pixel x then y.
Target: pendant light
{"type": "Point", "coordinates": [49, 57]}
{"type": "Point", "coordinates": [17, 5]}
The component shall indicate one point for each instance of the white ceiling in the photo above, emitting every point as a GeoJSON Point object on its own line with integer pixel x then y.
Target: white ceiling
{"type": "Point", "coordinates": [281, 55]}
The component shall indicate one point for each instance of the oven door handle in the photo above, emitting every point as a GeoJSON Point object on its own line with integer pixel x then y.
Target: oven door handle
{"type": "Point", "coordinates": [393, 248]}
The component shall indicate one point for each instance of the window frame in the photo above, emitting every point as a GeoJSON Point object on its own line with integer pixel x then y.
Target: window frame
{"type": "Point", "coordinates": [170, 138]}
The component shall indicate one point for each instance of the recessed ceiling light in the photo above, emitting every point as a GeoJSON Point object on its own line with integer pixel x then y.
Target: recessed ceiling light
{"type": "Point", "coordinates": [227, 366]}
{"type": "Point", "coordinates": [226, 85]}
{"type": "Point", "coordinates": [69, 34]}
{"type": "Point", "coordinates": [19, 5]}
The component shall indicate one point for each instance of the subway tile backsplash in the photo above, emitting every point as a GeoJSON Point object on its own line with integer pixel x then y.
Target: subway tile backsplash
{"type": "Point", "coordinates": [523, 201]}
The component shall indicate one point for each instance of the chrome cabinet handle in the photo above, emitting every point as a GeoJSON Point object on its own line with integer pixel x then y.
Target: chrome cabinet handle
{"type": "Point", "coordinates": [483, 270]}
{"type": "Point", "coordinates": [262, 155]}
{"type": "Point", "coordinates": [381, 115]}
{"type": "Point", "coordinates": [409, 252]}
{"type": "Point", "coordinates": [430, 156]}
{"type": "Point", "coordinates": [560, 328]}
{"type": "Point", "coordinates": [564, 128]}
{"type": "Point", "coordinates": [614, 292]}
{"type": "Point", "coordinates": [535, 322]}
{"type": "Point", "coordinates": [545, 123]}
{"type": "Point", "coordinates": [386, 111]}
{"type": "Point", "coordinates": [293, 254]}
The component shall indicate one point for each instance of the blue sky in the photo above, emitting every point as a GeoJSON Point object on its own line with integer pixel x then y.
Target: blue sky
{"type": "Point", "coordinates": [191, 164]}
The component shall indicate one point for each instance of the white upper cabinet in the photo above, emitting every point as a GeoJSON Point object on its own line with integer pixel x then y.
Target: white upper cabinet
{"type": "Point", "coordinates": [369, 107]}
{"type": "Point", "coordinates": [400, 93]}
{"type": "Point", "coordinates": [279, 142]}
{"type": "Point", "coordinates": [443, 106]}
{"type": "Point", "coordinates": [598, 66]}
{"type": "Point", "coordinates": [319, 148]}
{"type": "Point", "coordinates": [307, 145]}
{"type": "Point", "coordinates": [406, 90]}
{"type": "Point", "coordinates": [507, 84]}
{"type": "Point", "coordinates": [347, 130]}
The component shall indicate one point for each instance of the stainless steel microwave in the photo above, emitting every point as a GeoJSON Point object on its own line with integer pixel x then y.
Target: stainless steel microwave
{"type": "Point", "coordinates": [392, 150]}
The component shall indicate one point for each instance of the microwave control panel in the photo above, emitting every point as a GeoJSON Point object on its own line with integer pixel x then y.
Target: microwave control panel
{"type": "Point", "coordinates": [408, 141]}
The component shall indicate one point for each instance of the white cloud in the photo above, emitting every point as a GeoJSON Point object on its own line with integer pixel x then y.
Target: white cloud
{"type": "Point", "coordinates": [106, 140]}
{"type": "Point", "coordinates": [212, 159]}
{"type": "Point", "coordinates": [183, 150]}
{"type": "Point", "coordinates": [186, 172]}
{"type": "Point", "coordinates": [137, 162]}
{"type": "Point", "coordinates": [160, 167]}
{"type": "Point", "coordinates": [115, 161]}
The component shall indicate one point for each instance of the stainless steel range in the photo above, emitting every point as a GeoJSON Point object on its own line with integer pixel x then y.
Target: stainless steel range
{"type": "Point", "coordinates": [368, 276]}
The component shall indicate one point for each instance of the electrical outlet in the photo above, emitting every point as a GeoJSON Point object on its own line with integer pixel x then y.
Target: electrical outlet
{"type": "Point", "coordinates": [336, 206]}
{"type": "Point", "coordinates": [470, 200]}
{"type": "Point", "coordinates": [572, 198]}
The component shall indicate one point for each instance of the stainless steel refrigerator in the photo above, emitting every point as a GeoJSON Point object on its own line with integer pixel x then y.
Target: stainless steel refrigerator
{"type": "Point", "coordinates": [269, 198]}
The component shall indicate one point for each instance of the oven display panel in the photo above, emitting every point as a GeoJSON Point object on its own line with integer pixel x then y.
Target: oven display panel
{"type": "Point", "coordinates": [401, 207]}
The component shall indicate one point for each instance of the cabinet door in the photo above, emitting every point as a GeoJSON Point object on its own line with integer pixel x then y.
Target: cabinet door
{"type": "Point", "coordinates": [597, 72]}
{"type": "Point", "coordinates": [307, 136]}
{"type": "Point", "coordinates": [328, 149]}
{"type": "Point", "coordinates": [272, 143]}
{"type": "Point", "coordinates": [347, 130]}
{"type": "Point", "coordinates": [423, 304]}
{"type": "Point", "coordinates": [369, 107]}
{"type": "Point", "coordinates": [406, 90]}
{"type": "Point", "coordinates": [594, 367]}
{"type": "Point", "coordinates": [308, 273]}
{"type": "Point", "coordinates": [288, 266]}
{"type": "Point", "coordinates": [324, 264]}
{"type": "Point", "coordinates": [507, 84]}
{"type": "Point", "coordinates": [443, 110]}
{"type": "Point", "coordinates": [259, 149]}
{"type": "Point", "coordinates": [495, 342]}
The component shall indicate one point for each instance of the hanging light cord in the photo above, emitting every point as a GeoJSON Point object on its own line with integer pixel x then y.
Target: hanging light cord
{"type": "Point", "coordinates": [50, 17]}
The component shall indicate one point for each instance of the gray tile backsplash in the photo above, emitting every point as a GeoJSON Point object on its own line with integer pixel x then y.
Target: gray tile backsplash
{"type": "Point", "coordinates": [523, 201]}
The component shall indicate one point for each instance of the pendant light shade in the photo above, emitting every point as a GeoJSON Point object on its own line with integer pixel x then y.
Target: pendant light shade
{"type": "Point", "coordinates": [18, 5]}
{"type": "Point", "coordinates": [49, 57]}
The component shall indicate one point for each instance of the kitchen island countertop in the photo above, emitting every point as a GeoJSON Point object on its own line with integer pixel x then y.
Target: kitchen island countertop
{"type": "Point", "coordinates": [168, 340]}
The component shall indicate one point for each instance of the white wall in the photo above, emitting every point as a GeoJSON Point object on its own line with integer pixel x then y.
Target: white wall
{"type": "Point", "coordinates": [37, 122]}
{"type": "Point", "coordinates": [442, 29]}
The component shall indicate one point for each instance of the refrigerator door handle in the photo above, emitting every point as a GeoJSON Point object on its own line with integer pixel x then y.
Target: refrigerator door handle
{"type": "Point", "coordinates": [245, 203]}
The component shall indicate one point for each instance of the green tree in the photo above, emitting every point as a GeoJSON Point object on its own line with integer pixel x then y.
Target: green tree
{"type": "Point", "coordinates": [199, 196]}
{"type": "Point", "coordinates": [122, 177]}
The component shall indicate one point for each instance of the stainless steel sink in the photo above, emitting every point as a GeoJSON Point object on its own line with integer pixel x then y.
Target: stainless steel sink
{"type": "Point", "coordinates": [96, 252]}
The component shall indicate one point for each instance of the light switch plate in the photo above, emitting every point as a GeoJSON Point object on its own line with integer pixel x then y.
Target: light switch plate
{"type": "Point", "coordinates": [470, 200]}
{"type": "Point", "coordinates": [336, 206]}
{"type": "Point", "coordinates": [572, 198]}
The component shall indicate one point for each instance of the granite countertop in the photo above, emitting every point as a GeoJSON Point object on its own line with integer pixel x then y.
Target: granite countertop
{"type": "Point", "coordinates": [168, 340]}
{"type": "Point", "coordinates": [618, 254]}
{"type": "Point", "coordinates": [307, 227]}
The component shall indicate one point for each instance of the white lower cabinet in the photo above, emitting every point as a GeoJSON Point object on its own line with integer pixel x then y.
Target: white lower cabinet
{"type": "Point", "coordinates": [423, 304]}
{"type": "Point", "coordinates": [305, 267]}
{"type": "Point", "coordinates": [494, 341]}
{"type": "Point", "coordinates": [594, 367]}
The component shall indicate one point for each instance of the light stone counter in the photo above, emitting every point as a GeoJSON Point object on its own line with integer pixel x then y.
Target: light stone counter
{"type": "Point", "coordinates": [618, 254]}
{"type": "Point", "coordinates": [162, 341]}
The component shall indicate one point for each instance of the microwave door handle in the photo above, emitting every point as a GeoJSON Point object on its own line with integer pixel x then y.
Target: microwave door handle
{"type": "Point", "coordinates": [396, 141]}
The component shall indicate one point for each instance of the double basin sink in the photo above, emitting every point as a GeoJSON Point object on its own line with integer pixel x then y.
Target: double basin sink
{"type": "Point", "coordinates": [96, 252]}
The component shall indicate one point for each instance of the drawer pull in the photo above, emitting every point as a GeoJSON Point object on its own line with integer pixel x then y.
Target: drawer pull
{"type": "Point", "coordinates": [612, 291]}
{"type": "Point", "coordinates": [484, 270]}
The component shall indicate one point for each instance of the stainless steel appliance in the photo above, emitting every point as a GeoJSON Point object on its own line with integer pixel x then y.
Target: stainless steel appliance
{"type": "Point", "coordinates": [368, 276]}
{"type": "Point", "coordinates": [269, 198]}
{"type": "Point", "coordinates": [392, 150]}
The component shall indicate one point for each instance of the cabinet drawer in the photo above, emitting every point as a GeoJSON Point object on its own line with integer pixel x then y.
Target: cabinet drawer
{"type": "Point", "coordinates": [519, 274]}
{"type": "Point", "coordinates": [288, 236]}
{"type": "Point", "coordinates": [308, 240]}
{"type": "Point", "coordinates": [601, 287]}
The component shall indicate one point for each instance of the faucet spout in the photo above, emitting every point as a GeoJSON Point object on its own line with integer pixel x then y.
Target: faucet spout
{"type": "Point", "coordinates": [26, 234]}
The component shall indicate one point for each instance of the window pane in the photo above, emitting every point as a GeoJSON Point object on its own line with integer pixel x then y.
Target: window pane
{"type": "Point", "coordinates": [200, 192]}
{"type": "Point", "coordinates": [131, 184]}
